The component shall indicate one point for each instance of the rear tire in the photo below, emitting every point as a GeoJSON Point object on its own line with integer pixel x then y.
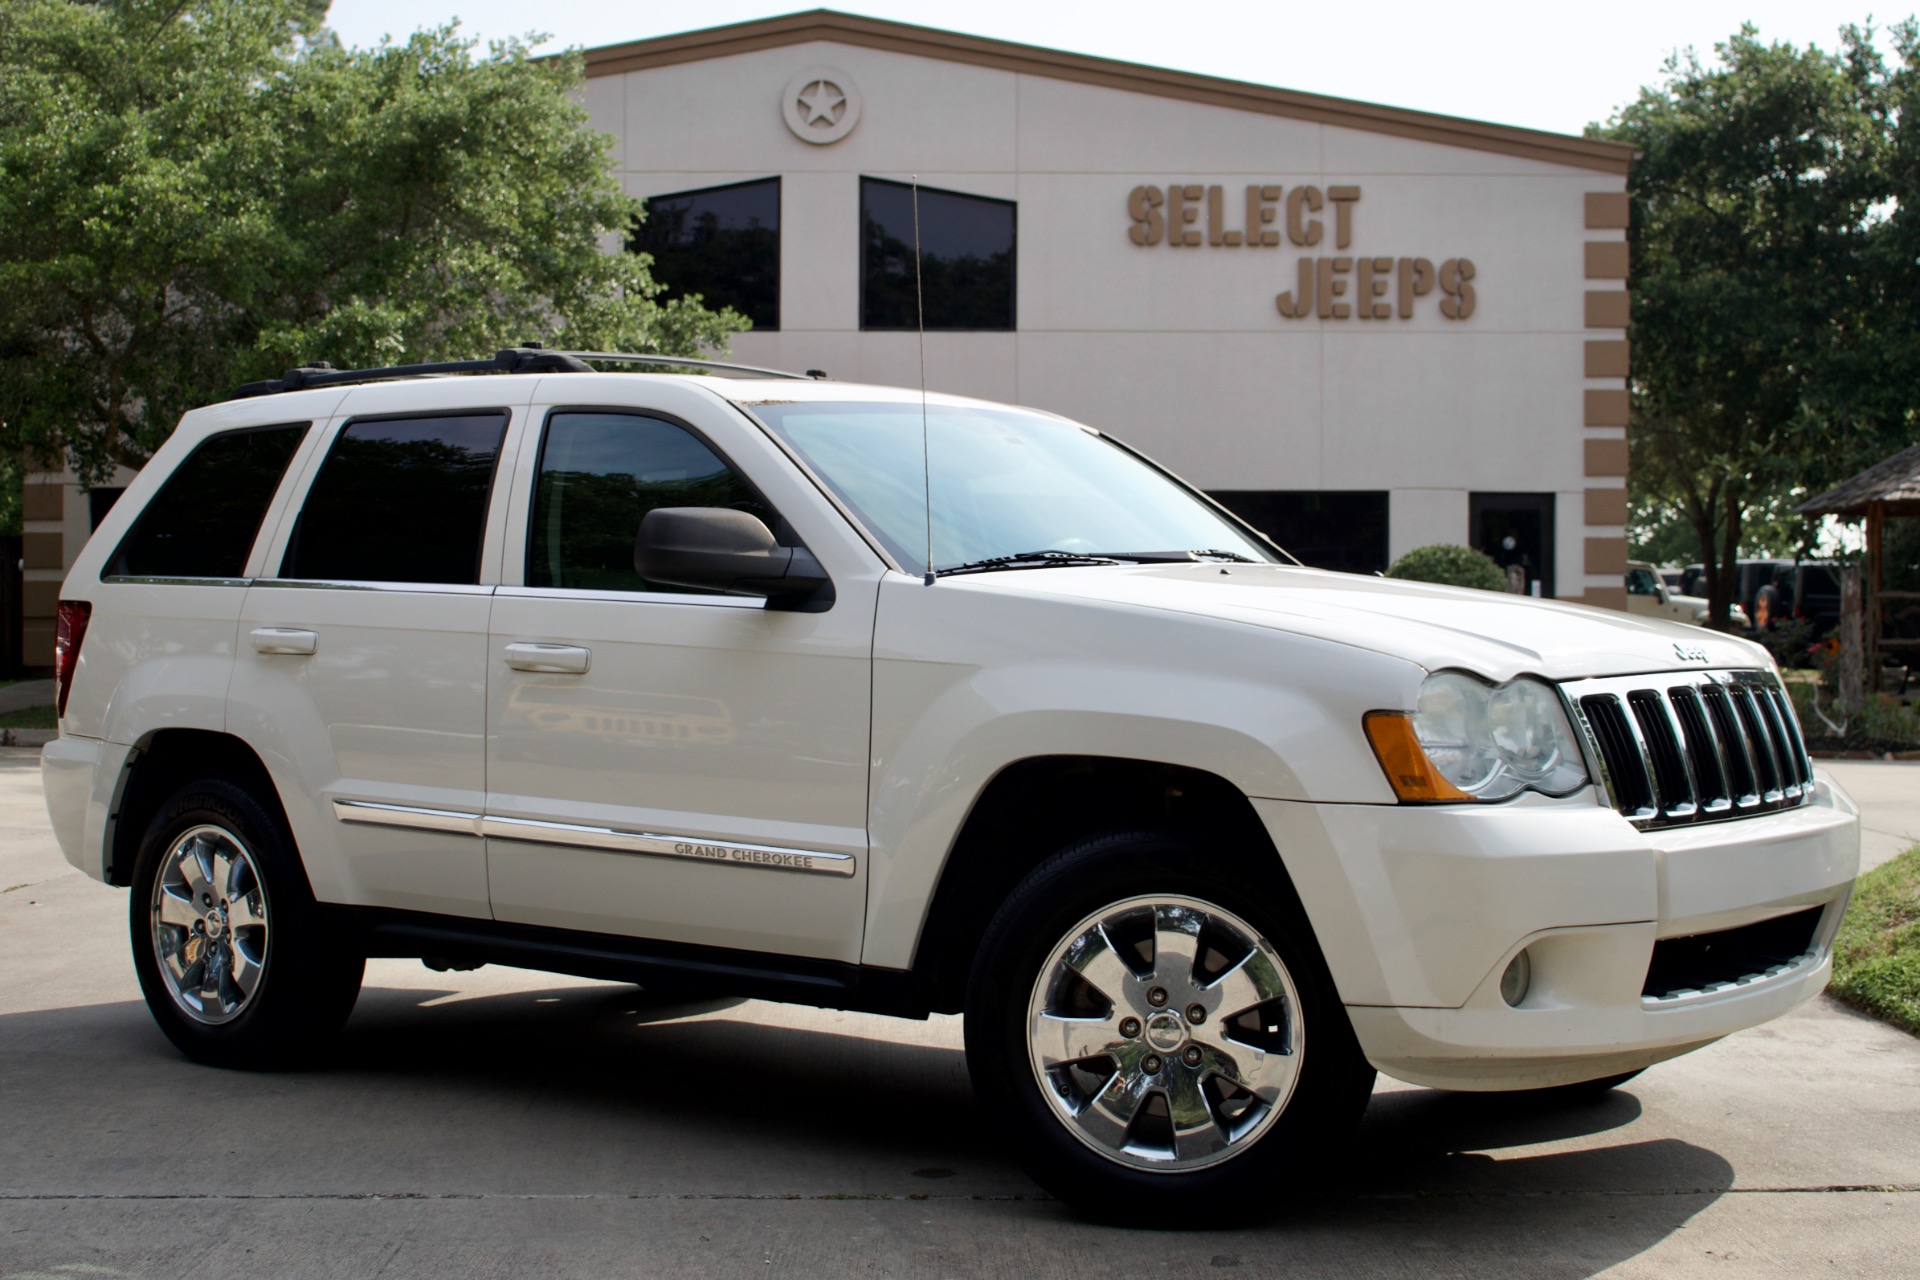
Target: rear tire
{"type": "Point", "coordinates": [1153, 1028]}
{"type": "Point", "coordinates": [237, 962]}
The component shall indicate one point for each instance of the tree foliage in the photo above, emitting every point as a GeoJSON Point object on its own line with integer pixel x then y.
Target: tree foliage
{"type": "Point", "coordinates": [1765, 356]}
{"type": "Point", "coordinates": [194, 193]}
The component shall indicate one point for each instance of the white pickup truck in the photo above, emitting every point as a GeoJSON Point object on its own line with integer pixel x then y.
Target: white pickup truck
{"type": "Point", "coordinates": [1651, 597]}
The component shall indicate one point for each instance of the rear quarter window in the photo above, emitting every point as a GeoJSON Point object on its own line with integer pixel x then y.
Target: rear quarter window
{"type": "Point", "coordinates": [203, 521]}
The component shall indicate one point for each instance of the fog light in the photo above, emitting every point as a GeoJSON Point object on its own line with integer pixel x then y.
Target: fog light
{"type": "Point", "coordinates": [1515, 981]}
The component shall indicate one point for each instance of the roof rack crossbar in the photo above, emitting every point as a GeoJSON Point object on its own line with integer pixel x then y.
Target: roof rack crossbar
{"type": "Point", "coordinates": [528, 357]}
{"type": "Point", "coordinates": [522, 359]}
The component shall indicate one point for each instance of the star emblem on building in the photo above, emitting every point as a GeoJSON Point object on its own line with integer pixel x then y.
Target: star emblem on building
{"type": "Point", "coordinates": [821, 103]}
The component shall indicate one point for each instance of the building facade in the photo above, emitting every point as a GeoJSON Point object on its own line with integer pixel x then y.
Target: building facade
{"type": "Point", "coordinates": [1364, 328]}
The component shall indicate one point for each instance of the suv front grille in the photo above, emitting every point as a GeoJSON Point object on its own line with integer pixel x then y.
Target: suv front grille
{"type": "Point", "coordinates": [1693, 746]}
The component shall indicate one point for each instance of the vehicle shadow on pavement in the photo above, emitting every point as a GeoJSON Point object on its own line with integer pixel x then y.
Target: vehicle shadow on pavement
{"type": "Point", "coordinates": [602, 1092]}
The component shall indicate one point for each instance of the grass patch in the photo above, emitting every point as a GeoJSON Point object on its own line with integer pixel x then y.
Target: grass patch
{"type": "Point", "coordinates": [29, 718]}
{"type": "Point", "coordinates": [1876, 957]}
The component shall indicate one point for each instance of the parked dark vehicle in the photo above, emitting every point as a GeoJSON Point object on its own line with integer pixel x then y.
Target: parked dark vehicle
{"type": "Point", "coordinates": [1774, 591]}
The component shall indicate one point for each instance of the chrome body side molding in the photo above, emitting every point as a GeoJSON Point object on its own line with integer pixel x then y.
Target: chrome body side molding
{"type": "Point", "coordinates": [603, 839]}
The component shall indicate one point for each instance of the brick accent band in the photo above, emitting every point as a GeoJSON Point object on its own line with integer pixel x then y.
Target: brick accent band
{"type": "Point", "coordinates": [1608, 359]}
{"type": "Point", "coordinates": [1606, 598]}
{"type": "Point", "coordinates": [43, 550]}
{"type": "Point", "coordinates": [1607, 408]}
{"type": "Point", "coordinates": [1607, 210]}
{"type": "Point", "coordinates": [1607, 309]}
{"type": "Point", "coordinates": [1606, 260]}
{"type": "Point", "coordinates": [1607, 555]}
{"type": "Point", "coordinates": [1606, 457]}
{"type": "Point", "coordinates": [1606, 506]}
{"type": "Point", "coordinates": [40, 501]}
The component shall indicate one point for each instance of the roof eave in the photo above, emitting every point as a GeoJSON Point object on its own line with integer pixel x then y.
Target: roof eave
{"type": "Point", "coordinates": [899, 37]}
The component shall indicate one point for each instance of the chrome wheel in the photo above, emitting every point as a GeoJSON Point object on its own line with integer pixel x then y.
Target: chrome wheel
{"type": "Point", "coordinates": [1165, 1033]}
{"type": "Point", "coordinates": [210, 932]}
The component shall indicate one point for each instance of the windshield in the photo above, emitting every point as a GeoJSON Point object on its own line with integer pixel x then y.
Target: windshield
{"type": "Point", "coordinates": [1004, 483]}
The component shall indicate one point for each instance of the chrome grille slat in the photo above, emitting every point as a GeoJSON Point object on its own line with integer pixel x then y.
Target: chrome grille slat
{"type": "Point", "coordinates": [1733, 742]}
{"type": "Point", "coordinates": [1693, 746]}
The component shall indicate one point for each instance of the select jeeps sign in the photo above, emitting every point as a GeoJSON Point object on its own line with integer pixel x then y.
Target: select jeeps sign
{"type": "Point", "coordinates": [1339, 287]}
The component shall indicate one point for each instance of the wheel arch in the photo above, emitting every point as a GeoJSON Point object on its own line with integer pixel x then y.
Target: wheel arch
{"type": "Point", "coordinates": [1033, 807]}
{"type": "Point", "coordinates": [160, 764]}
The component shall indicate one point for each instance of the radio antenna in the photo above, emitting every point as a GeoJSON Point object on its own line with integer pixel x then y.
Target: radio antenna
{"type": "Point", "coordinates": [920, 315]}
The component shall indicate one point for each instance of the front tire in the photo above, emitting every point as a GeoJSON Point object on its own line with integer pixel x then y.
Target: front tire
{"type": "Point", "coordinates": [1158, 1036]}
{"type": "Point", "coordinates": [236, 961]}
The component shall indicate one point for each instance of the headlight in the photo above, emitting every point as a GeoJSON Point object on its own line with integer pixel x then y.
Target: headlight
{"type": "Point", "coordinates": [1466, 741]}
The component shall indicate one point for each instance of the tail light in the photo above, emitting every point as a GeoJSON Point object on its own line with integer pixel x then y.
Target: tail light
{"type": "Point", "coordinates": [70, 628]}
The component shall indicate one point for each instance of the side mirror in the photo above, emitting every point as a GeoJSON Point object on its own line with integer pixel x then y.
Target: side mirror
{"type": "Point", "coordinates": [720, 549]}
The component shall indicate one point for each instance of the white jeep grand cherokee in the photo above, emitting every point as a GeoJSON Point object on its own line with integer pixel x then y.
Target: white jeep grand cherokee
{"type": "Point", "coordinates": [849, 697]}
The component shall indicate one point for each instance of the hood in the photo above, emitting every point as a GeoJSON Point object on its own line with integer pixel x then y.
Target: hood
{"type": "Point", "coordinates": [1493, 635]}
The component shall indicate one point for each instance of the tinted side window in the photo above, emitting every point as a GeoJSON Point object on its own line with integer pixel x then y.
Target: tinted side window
{"type": "Point", "coordinates": [600, 473]}
{"type": "Point", "coordinates": [203, 521]}
{"type": "Point", "coordinates": [400, 500]}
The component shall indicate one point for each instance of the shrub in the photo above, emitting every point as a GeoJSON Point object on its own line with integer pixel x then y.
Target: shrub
{"type": "Point", "coordinates": [1451, 565]}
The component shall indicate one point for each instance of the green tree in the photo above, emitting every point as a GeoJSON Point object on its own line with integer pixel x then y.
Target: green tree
{"type": "Point", "coordinates": [1754, 224]}
{"type": "Point", "coordinates": [195, 193]}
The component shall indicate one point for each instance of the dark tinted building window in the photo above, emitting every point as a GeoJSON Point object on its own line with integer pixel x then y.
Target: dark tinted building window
{"type": "Point", "coordinates": [400, 500]}
{"type": "Point", "coordinates": [722, 243]}
{"type": "Point", "coordinates": [1324, 529]}
{"type": "Point", "coordinates": [600, 473]}
{"type": "Point", "coordinates": [203, 521]}
{"type": "Point", "coordinates": [99, 503]}
{"type": "Point", "coordinates": [966, 258]}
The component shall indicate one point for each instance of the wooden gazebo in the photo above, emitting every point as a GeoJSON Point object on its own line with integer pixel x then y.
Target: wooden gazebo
{"type": "Point", "coordinates": [1889, 488]}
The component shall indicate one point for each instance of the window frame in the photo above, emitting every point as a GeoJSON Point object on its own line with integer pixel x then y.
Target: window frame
{"type": "Point", "coordinates": [779, 255]}
{"type": "Point", "coordinates": [267, 527]}
{"type": "Point", "coordinates": [1013, 275]}
{"type": "Point", "coordinates": [783, 531]}
{"type": "Point", "coordinates": [317, 468]}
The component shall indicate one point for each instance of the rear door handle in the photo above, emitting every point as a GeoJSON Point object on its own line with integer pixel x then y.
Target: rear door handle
{"type": "Point", "coordinates": [558, 659]}
{"type": "Point", "coordinates": [284, 640]}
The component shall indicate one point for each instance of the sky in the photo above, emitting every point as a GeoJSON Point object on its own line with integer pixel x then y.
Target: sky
{"type": "Point", "coordinates": [1544, 64]}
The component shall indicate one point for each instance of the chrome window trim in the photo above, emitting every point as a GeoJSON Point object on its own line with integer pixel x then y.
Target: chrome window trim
{"type": "Point", "coordinates": [411, 588]}
{"type": "Point", "coordinates": [759, 857]}
{"type": "Point", "coordinates": [153, 580]}
{"type": "Point", "coordinates": [632, 597]}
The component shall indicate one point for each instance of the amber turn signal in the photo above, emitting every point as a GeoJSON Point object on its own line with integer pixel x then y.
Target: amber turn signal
{"type": "Point", "coordinates": [1409, 772]}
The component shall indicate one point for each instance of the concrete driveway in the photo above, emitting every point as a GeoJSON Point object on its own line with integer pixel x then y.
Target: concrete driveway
{"type": "Point", "coordinates": [505, 1123]}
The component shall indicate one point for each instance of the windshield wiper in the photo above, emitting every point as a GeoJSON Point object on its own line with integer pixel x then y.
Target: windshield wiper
{"type": "Point", "coordinates": [1182, 557]}
{"type": "Point", "coordinates": [1068, 559]}
{"type": "Point", "coordinates": [1026, 560]}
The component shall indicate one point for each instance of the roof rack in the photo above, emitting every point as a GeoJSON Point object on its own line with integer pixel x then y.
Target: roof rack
{"type": "Point", "coordinates": [528, 357]}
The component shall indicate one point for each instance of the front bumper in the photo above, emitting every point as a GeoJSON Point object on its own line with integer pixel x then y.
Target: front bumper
{"type": "Point", "coordinates": [1419, 910]}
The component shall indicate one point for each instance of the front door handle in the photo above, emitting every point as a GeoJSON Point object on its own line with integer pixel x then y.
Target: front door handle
{"type": "Point", "coordinates": [284, 640]}
{"type": "Point", "coordinates": [556, 659]}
